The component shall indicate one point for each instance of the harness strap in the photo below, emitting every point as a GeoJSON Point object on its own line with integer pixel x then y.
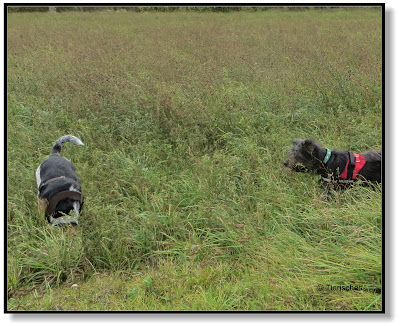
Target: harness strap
{"type": "Point", "coordinates": [344, 173]}
{"type": "Point", "coordinates": [328, 180]}
{"type": "Point", "coordinates": [351, 166]}
{"type": "Point", "coordinates": [354, 164]}
{"type": "Point", "coordinates": [53, 201]}
{"type": "Point", "coordinates": [359, 163]}
{"type": "Point", "coordinates": [54, 179]}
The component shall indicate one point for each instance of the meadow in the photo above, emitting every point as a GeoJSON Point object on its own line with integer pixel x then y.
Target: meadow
{"type": "Point", "coordinates": [186, 119]}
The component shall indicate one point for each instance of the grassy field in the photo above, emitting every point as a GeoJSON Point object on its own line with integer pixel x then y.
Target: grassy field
{"type": "Point", "coordinates": [187, 118]}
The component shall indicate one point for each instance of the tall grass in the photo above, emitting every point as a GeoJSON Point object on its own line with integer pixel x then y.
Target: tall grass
{"type": "Point", "coordinates": [187, 118]}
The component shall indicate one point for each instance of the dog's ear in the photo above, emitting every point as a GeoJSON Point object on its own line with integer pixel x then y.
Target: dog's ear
{"type": "Point", "coordinates": [297, 141]}
{"type": "Point", "coordinates": [309, 144]}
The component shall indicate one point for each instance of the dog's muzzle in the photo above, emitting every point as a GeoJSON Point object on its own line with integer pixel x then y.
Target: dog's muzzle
{"type": "Point", "coordinates": [65, 220]}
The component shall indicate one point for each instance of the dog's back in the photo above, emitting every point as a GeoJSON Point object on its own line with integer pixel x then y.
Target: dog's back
{"type": "Point", "coordinates": [373, 167]}
{"type": "Point", "coordinates": [56, 164]}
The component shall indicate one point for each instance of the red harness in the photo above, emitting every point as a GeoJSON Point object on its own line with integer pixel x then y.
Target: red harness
{"type": "Point", "coordinates": [356, 160]}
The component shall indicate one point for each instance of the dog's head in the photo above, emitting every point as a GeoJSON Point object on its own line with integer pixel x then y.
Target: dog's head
{"type": "Point", "coordinates": [303, 155]}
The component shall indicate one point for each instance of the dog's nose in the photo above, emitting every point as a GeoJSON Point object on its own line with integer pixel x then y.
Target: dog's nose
{"type": "Point", "coordinates": [285, 163]}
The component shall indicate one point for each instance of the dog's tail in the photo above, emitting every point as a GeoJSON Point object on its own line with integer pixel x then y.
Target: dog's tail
{"type": "Point", "coordinates": [60, 142]}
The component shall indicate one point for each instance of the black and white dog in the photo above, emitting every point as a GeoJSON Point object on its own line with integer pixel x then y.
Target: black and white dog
{"type": "Point", "coordinates": [60, 193]}
{"type": "Point", "coordinates": [337, 168]}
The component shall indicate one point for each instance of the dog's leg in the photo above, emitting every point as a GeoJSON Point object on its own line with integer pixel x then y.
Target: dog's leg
{"type": "Point", "coordinates": [326, 186]}
{"type": "Point", "coordinates": [75, 213]}
{"type": "Point", "coordinates": [73, 227]}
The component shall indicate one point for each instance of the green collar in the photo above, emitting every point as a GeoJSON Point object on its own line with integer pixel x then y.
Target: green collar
{"type": "Point", "coordinates": [327, 156]}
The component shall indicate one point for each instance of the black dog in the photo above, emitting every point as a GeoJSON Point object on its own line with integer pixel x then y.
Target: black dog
{"type": "Point", "coordinates": [337, 168]}
{"type": "Point", "coordinates": [60, 191]}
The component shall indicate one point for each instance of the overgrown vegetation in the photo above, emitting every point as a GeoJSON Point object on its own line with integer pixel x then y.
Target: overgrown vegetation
{"type": "Point", "coordinates": [187, 118]}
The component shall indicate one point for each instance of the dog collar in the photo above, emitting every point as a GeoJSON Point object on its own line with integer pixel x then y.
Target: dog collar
{"type": "Point", "coordinates": [67, 194]}
{"type": "Point", "coordinates": [51, 180]}
{"type": "Point", "coordinates": [327, 156]}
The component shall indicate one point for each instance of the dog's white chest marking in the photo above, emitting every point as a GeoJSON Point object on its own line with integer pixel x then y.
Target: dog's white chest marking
{"type": "Point", "coordinates": [38, 179]}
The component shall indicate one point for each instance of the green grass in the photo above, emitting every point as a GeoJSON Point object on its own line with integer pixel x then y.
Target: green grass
{"type": "Point", "coordinates": [187, 118]}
